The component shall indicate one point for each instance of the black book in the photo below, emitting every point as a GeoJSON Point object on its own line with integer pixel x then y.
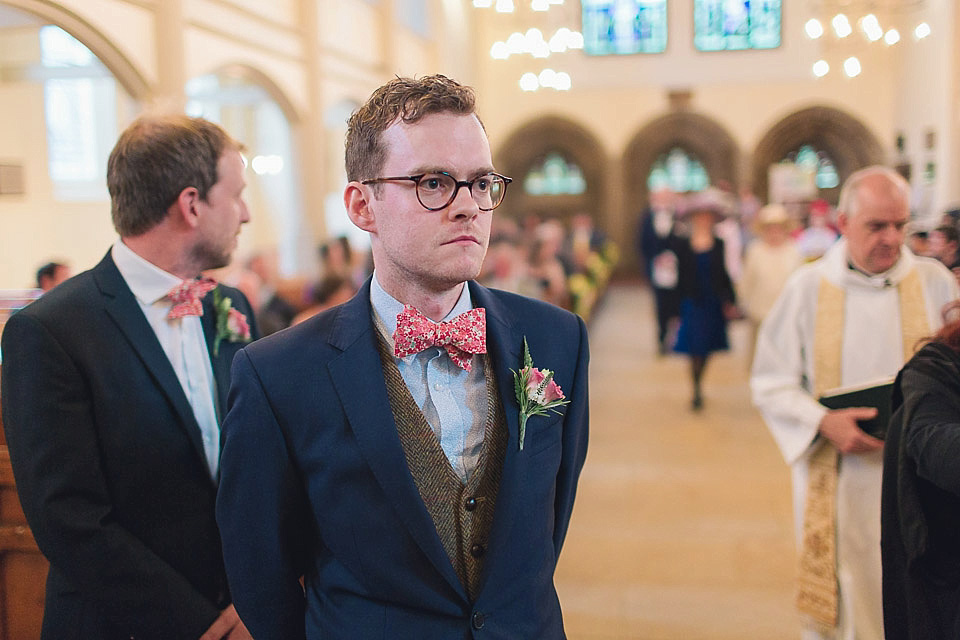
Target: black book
{"type": "Point", "coordinates": [875, 394]}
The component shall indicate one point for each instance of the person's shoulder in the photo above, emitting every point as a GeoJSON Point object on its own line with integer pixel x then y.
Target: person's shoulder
{"type": "Point", "coordinates": [931, 268]}
{"type": "Point", "coordinates": [291, 342]}
{"type": "Point", "coordinates": [69, 298]}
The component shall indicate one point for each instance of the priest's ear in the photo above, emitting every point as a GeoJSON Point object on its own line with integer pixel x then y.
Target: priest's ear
{"type": "Point", "coordinates": [357, 198]}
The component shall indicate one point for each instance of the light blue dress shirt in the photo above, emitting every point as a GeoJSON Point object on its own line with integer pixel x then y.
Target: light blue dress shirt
{"type": "Point", "coordinates": [453, 401]}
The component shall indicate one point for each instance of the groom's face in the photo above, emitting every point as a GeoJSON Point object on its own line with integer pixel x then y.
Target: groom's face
{"type": "Point", "coordinates": [433, 250]}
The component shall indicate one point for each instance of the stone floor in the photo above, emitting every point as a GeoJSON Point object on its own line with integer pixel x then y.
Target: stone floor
{"type": "Point", "coordinates": [682, 528]}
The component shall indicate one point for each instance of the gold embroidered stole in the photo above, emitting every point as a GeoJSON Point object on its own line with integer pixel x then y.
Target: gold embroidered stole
{"type": "Point", "coordinates": [462, 513]}
{"type": "Point", "coordinates": [817, 596]}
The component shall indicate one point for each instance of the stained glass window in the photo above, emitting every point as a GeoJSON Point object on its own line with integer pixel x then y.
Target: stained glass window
{"type": "Point", "coordinates": [736, 24]}
{"type": "Point", "coordinates": [678, 171]}
{"type": "Point", "coordinates": [810, 159]}
{"type": "Point", "coordinates": [555, 176]}
{"type": "Point", "coordinates": [624, 26]}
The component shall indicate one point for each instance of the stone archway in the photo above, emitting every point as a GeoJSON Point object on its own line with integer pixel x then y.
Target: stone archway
{"type": "Point", "coordinates": [129, 76]}
{"type": "Point", "coordinates": [528, 146]}
{"type": "Point", "coordinates": [694, 133]}
{"type": "Point", "coordinates": [841, 136]}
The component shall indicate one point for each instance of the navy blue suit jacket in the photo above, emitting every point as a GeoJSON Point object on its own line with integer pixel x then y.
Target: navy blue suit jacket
{"type": "Point", "coordinates": [109, 463]}
{"type": "Point", "coordinates": [314, 483]}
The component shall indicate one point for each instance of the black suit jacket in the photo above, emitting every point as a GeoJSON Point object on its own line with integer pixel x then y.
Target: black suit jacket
{"type": "Point", "coordinates": [315, 483]}
{"type": "Point", "coordinates": [109, 463]}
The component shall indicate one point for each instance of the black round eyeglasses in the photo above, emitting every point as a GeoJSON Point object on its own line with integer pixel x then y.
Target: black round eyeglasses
{"type": "Point", "coordinates": [436, 191]}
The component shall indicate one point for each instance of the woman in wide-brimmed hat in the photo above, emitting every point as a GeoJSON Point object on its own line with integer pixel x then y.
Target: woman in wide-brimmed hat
{"type": "Point", "coordinates": [770, 259]}
{"type": "Point", "coordinates": [707, 293]}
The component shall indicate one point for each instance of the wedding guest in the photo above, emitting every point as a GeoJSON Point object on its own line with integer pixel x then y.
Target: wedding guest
{"type": "Point", "coordinates": [657, 230]}
{"type": "Point", "coordinates": [380, 477]}
{"type": "Point", "coordinates": [707, 295]}
{"type": "Point", "coordinates": [770, 259]}
{"type": "Point", "coordinates": [921, 494]}
{"type": "Point", "coordinates": [113, 387]}
{"type": "Point", "coordinates": [52, 274]}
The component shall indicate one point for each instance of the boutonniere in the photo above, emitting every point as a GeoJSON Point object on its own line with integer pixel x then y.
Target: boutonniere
{"type": "Point", "coordinates": [537, 393]}
{"type": "Point", "coordinates": [231, 324]}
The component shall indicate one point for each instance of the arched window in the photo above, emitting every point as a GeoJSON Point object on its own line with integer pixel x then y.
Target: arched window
{"type": "Point", "coordinates": [80, 109]}
{"type": "Point", "coordinates": [678, 171]}
{"type": "Point", "coordinates": [554, 176]}
{"type": "Point", "coordinates": [810, 159]}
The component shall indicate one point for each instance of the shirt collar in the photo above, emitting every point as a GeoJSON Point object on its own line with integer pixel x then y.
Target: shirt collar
{"type": "Point", "coordinates": [388, 308]}
{"type": "Point", "coordinates": [838, 257]}
{"type": "Point", "coordinates": [148, 282]}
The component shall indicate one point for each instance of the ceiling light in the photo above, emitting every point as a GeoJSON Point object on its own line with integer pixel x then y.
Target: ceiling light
{"type": "Point", "coordinates": [851, 66]}
{"type": "Point", "coordinates": [922, 31]}
{"type": "Point", "coordinates": [529, 82]}
{"type": "Point", "coordinates": [871, 27]}
{"type": "Point", "coordinates": [500, 50]}
{"type": "Point", "coordinates": [504, 6]}
{"type": "Point", "coordinates": [540, 5]}
{"type": "Point", "coordinates": [841, 26]}
{"type": "Point", "coordinates": [821, 68]}
{"type": "Point", "coordinates": [813, 28]}
{"type": "Point", "coordinates": [892, 37]}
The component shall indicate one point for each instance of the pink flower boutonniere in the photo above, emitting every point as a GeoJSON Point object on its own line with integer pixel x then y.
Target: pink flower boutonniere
{"type": "Point", "coordinates": [536, 391]}
{"type": "Point", "coordinates": [231, 324]}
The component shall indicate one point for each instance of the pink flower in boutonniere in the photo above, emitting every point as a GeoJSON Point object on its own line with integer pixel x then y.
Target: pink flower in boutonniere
{"type": "Point", "coordinates": [536, 391]}
{"type": "Point", "coordinates": [231, 324]}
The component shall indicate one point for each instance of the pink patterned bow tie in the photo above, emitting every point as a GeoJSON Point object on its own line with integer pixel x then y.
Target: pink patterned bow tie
{"type": "Point", "coordinates": [187, 297]}
{"type": "Point", "coordinates": [462, 337]}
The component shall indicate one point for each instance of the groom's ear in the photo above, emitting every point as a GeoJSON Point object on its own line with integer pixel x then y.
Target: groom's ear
{"type": "Point", "coordinates": [357, 199]}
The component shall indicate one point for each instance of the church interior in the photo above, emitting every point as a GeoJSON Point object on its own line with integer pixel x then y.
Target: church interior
{"type": "Point", "coordinates": [683, 526]}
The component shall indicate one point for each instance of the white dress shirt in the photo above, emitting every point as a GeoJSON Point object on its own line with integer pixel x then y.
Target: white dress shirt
{"type": "Point", "coordinates": [453, 401]}
{"type": "Point", "coordinates": [182, 340]}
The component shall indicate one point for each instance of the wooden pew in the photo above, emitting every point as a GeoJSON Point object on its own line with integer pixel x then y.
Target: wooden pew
{"type": "Point", "coordinates": [23, 569]}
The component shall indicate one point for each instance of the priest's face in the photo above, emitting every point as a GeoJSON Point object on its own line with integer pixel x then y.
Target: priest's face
{"type": "Point", "coordinates": [875, 228]}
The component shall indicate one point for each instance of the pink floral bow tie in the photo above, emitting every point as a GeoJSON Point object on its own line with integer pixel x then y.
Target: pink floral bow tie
{"type": "Point", "coordinates": [187, 297]}
{"type": "Point", "coordinates": [462, 337]}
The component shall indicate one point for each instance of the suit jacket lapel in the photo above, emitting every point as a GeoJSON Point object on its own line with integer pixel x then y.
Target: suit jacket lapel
{"type": "Point", "coordinates": [122, 307]}
{"type": "Point", "coordinates": [224, 358]}
{"type": "Point", "coordinates": [356, 374]}
{"type": "Point", "coordinates": [505, 349]}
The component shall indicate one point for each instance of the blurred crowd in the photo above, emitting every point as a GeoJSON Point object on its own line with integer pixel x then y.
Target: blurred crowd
{"type": "Point", "coordinates": [568, 265]}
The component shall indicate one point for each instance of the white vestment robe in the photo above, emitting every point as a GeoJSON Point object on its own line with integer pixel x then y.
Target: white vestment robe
{"type": "Point", "coordinates": [782, 383]}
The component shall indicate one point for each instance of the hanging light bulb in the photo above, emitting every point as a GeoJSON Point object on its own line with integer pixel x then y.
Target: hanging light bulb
{"type": "Point", "coordinates": [483, 4]}
{"type": "Point", "coordinates": [504, 6]}
{"type": "Point", "coordinates": [851, 66]}
{"type": "Point", "coordinates": [841, 26]}
{"type": "Point", "coordinates": [529, 82]}
{"type": "Point", "coordinates": [871, 27]}
{"type": "Point", "coordinates": [892, 37]}
{"type": "Point", "coordinates": [813, 28]}
{"type": "Point", "coordinates": [540, 5]}
{"type": "Point", "coordinates": [821, 68]}
{"type": "Point", "coordinates": [922, 31]}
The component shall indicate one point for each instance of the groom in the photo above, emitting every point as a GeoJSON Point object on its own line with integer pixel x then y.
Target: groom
{"type": "Point", "coordinates": [377, 454]}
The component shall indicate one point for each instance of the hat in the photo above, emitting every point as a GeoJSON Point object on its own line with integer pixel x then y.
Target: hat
{"type": "Point", "coordinates": [710, 199]}
{"type": "Point", "coordinates": [773, 214]}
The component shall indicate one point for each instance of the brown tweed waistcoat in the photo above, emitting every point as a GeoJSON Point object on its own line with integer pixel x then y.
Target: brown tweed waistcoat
{"type": "Point", "coordinates": [462, 513]}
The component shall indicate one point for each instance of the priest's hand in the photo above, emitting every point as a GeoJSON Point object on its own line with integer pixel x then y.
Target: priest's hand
{"type": "Point", "coordinates": [227, 626]}
{"type": "Point", "coordinates": [840, 428]}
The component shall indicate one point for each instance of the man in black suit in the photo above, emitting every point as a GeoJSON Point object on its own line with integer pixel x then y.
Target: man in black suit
{"type": "Point", "coordinates": [113, 388]}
